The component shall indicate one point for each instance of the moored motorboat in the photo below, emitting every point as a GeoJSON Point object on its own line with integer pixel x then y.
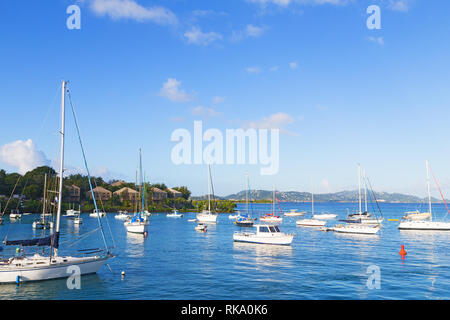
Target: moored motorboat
{"type": "Point", "coordinates": [94, 214]}
{"type": "Point", "coordinates": [265, 234]}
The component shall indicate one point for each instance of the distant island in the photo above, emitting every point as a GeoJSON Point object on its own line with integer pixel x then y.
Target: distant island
{"type": "Point", "coordinates": [342, 196]}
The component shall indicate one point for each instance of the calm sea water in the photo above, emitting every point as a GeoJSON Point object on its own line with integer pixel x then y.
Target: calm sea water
{"type": "Point", "coordinates": [176, 262]}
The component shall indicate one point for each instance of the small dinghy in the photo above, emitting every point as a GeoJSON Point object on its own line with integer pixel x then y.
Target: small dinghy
{"type": "Point", "coordinates": [174, 214]}
{"type": "Point", "coordinates": [201, 227]}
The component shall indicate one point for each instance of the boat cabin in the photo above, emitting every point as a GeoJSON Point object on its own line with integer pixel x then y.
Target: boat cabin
{"type": "Point", "coordinates": [266, 229]}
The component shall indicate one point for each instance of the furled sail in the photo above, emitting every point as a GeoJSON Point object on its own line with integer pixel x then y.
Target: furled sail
{"type": "Point", "coordinates": [52, 241]}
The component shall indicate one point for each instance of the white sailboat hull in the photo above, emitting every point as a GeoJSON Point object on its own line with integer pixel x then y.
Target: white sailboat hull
{"type": "Point", "coordinates": [355, 229]}
{"type": "Point", "coordinates": [324, 216]}
{"type": "Point", "coordinates": [271, 219]}
{"type": "Point", "coordinates": [207, 217]}
{"type": "Point", "coordinates": [424, 225]}
{"type": "Point", "coordinates": [136, 227]}
{"type": "Point", "coordinates": [40, 268]}
{"type": "Point", "coordinates": [311, 223]}
{"type": "Point", "coordinates": [416, 216]}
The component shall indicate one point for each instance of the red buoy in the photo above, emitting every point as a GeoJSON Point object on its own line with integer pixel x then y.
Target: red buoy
{"type": "Point", "coordinates": [402, 252]}
{"type": "Point", "coordinates": [145, 234]}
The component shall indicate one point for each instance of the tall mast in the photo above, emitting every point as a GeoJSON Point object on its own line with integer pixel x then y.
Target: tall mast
{"type": "Point", "coordinates": [140, 181]}
{"type": "Point", "coordinates": [312, 199]}
{"type": "Point", "coordinates": [365, 189]}
{"type": "Point", "coordinates": [45, 200]}
{"type": "Point", "coordinates": [273, 202]}
{"type": "Point", "coordinates": [209, 188]}
{"type": "Point", "coordinates": [429, 193]}
{"type": "Point", "coordinates": [61, 161]}
{"type": "Point", "coordinates": [246, 190]}
{"type": "Point", "coordinates": [359, 186]}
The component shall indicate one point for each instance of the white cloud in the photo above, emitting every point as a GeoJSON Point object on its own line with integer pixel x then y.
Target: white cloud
{"type": "Point", "coordinates": [250, 31]}
{"type": "Point", "coordinates": [378, 40]}
{"type": "Point", "coordinates": [286, 3]}
{"type": "Point", "coordinates": [203, 111]}
{"type": "Point", "coordinates": [197, 36]}
{"type": "Point", "coordinates": [253, 70]}
{"type": "Point", "coordinates": [293, 65]}
{"type": "Point", "coordinates": [274, 68]}
{"type": "Point", "coordinates": [275, 121]}
{"type": "Point", "coordinates": [129, 9]}
{"type": "Point", "coordinates": [22, 155]}
{"type": "Point", "coordinates": [217, 99]}
{"type": "Point", "coordinates": [400, 5]}
{"type": "Point", "coordinates": [171, 90]}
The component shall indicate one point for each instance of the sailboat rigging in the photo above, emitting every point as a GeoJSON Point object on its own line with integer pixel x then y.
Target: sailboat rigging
{"type": "Point", "coordinates": [40, 267]}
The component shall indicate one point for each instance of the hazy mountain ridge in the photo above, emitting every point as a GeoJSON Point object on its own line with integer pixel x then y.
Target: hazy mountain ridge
{"type": "Point", "coordinates": [342, 196]}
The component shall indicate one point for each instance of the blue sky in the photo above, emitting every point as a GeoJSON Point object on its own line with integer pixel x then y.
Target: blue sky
{"type": "Point", "coordinates": [341, 94]}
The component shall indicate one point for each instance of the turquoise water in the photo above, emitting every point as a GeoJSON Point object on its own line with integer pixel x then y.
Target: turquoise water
{"type": "Point", "coordinates": [176, 262]}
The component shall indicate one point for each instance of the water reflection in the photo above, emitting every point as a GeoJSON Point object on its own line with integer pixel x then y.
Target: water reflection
{"type": "Point", "coordinates": [135, 244]}
{"type": "Point", "coordinates": [262, 254]}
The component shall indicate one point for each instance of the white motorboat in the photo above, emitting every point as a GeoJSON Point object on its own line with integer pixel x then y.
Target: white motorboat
{"type": "Point", "coordinates": [21, 268]}
{"type": "Point", "coordinates": [294, 213]}
{"type": "Point", "coordinates": [429, 225]}
{"type": "Point", "coordinates": [325, 216]}
{"type": "Point", "coordinates": [174, 214]}
{"type": "Point", "coordinates": [265, 234]}
{"type": "Point", "coordinates": [94, 214]}
{"type": "Point", "coordinates": [206, 215]}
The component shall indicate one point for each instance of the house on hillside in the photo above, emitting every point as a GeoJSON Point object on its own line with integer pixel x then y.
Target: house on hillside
{"type": "Point", "coordinates": [127, 194]}
{"type": "Point", "coordinates": [100, 194]}
{"type": "Point", "coordinates": [175, 193]}
{"type": "Point", "coordinates": [74, 193]}
{"type": "Point", "coordinates": [158, 194]}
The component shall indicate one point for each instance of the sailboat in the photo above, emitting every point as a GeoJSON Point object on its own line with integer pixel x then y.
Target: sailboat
{"type": "Point", "coordinates": [245, 220]}
{"type": "Point", "coordinates": [39, 267]}
{"type": "Point", "coordinates": [271, 217]}
{"type": "Point", "coordinates": [362, 222]}
{"type": "Point", "coordinates": [363, 217]}
{"type": "Point", "coordinates": [41, 223]}
{"type": "Point", "coordinates": [311, 222]}
{"type": "Point", "coordinates": [138, 224]}
{"type": "Point", "coordinates": [426, 224]}
{"type": "Point", "coordinates": [207, 215]}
